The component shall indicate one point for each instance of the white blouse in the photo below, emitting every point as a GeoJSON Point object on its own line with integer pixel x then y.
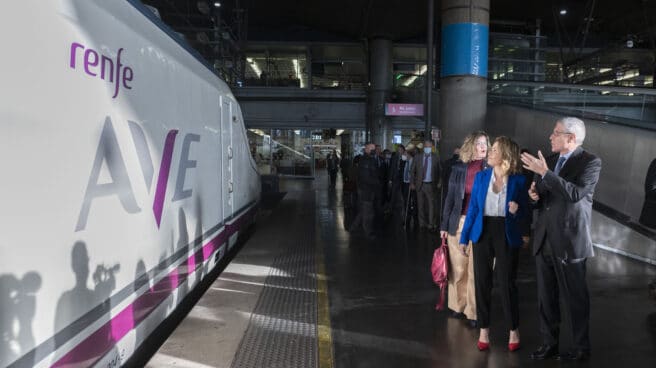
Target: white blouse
{"type": "Point", "coordinates": [495, 203]}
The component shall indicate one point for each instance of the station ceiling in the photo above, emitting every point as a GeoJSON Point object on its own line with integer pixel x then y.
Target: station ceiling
{"type": "Point", "coordinates": [405, 21]}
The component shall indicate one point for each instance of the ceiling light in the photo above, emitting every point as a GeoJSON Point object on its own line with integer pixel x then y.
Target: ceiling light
{"type": "Point", "coordinates": [218, 4]}
{"type": "Point", "coordinates": [412, 79]}
{"type": "Point", "coordinates": [563, 11]}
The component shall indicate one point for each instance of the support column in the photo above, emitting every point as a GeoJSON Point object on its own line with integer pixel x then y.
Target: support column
{"type": "Point", "coordinates": [429, 69]}
{"type": "Point", "coordinates": [380, 77]}
{"type": "Point", "coordinates": [463, 78]}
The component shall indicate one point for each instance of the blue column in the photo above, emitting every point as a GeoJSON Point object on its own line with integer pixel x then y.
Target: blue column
{"type": "Point", "coordinates": [463, 72]}
{"type": "Point", "coordinates": [464, 49]}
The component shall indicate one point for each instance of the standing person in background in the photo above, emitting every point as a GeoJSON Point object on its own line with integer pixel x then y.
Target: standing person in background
{"type": "Point", "coordinates": [425, 179]}
{"type": "Point", "coordinates": [395, 178]}
{"type": "Point", "coordinates": [494, 224]}
{"type": "Point", "coordinates": [368, 187]}
{"type": "Point", "coordinates": [462, 296]}
{"type": "Point", "coordinates": [648, 214]}
{"type": "Point", "coordinates": [332, 164]}
{"type": "Point", "coordinates": [385, 178]}
{"type": "Point", "coordinates": [409, 196]}
{"type": "Point", "coordinates": [562, 190]}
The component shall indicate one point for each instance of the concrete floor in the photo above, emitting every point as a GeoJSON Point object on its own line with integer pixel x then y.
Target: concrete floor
{"type": "Point", "coordinates": [382, 299]}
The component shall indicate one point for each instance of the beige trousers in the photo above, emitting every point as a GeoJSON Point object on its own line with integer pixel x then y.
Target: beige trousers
{"type": "Point", "coordinates": [462, 294]}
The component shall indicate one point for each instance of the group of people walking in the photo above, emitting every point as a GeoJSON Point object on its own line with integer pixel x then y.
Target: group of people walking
{"type": "Point", "coordinates": [486, 221]}
{"type": "Point", "coordinates": [406, 183]}
{"type": "Point", "coordinates": [493, 191]}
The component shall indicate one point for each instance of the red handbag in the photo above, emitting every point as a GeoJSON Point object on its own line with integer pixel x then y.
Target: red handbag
{"type": "Point", "coordinates": [440, 271]}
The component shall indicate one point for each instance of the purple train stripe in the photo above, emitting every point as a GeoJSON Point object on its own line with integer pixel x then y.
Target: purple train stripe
{"type": "Point", "coordinates": [163, 179]}
{"type": "Point", "coordinates": [95, 346]}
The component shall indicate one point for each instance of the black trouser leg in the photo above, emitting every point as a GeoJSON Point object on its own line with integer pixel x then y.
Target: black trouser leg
{"type": "Point", "coordinates": [493, 244]}
{"type": "Point", "coordinates": [577, 300]}
{"type": "Point", "coordinates": [548, 298]}
{"type": "Point", "coordinates": [483, 256]}
{"type": "Point", "coordinates": [506, 273]}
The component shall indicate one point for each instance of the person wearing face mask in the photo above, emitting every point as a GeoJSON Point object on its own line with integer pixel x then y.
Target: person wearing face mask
{"type": "Point", "coordinates": [462, 296]}
{"type": "Point", "coordinates": [494, 224]}
{"type": "Point", "coordinates": [425, 179]}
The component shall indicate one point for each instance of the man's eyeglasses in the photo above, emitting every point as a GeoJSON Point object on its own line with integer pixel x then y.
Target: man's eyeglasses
{"type": "Point", "coordinates": [558, 134]}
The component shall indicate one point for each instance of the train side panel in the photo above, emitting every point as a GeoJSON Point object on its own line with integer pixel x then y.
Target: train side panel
{"type": "Point", "coordinates": [114, 202]}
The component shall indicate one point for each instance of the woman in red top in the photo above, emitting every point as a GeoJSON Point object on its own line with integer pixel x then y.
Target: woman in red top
{"type": "Point", "coordinates": [462, 296]}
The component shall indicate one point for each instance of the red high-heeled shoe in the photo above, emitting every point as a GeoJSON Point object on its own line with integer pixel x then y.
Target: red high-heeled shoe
{"type": "Point", "coordinates": [513, 346]}
{"type": "Point", "coordinates": [483, 346]}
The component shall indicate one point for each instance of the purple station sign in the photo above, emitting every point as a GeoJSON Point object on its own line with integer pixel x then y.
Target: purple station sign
{"type": "Point", "coordinates": [395, 109]}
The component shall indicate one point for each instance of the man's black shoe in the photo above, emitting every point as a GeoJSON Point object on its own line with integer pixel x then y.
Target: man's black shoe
{"type": "Point", "coordinates": [545, 352]}
{"type": "Point", "coordinates": [579, 355]}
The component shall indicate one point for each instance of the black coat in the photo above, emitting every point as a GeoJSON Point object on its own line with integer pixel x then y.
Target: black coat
{"type": "Point", "coordinates": [395, 174]}
{"type": "Point", "coordinates": [369, 184]}
{"type": "Point", "coordinates": [565, 205]}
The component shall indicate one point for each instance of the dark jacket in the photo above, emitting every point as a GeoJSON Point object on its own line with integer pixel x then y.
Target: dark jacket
{"type": "Point", "coordinates": [455, 197]}
{"type": "Point", "coordinates": [447, 166]}
{"type": "Point", "coordinates": [395, 174]}
{"type": "Point", "coordinates": [369, 184]}
{"type": "Point", "coordinates": [473, 227]}
{"type": "Point", "coordinates": [565, 205]}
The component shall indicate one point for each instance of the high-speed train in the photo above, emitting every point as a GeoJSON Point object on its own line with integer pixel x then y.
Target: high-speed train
{"type": "Point", "coordinates": [126, 177]}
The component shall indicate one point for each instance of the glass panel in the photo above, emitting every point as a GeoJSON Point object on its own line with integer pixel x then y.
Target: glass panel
{"type": "Point", "coordinates": [277, 69]}
{"type": "Point", "coordinates": [292, 152]}
{"type": "Point", "coordinates": [622, 105]}
{"type": "Point", "coordinates": [344, 75]}
{"type": "Point", "coordinates": [260, 146]}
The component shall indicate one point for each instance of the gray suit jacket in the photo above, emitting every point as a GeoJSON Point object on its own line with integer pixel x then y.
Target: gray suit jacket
{"type": "Point", "coordinates": [417, 171]}
{"type": "Point", "coordinates": [565, 206]}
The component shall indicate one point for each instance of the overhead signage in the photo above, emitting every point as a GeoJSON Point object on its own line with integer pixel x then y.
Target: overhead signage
{"type": "Point", "coordinates": [394, 109]}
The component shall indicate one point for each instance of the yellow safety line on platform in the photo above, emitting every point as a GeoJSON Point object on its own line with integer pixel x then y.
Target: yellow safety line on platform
{"type": "Point", "coordinates": [324, 331]}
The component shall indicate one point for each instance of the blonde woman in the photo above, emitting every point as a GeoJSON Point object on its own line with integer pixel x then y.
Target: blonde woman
{"type": "Point", "coordinates": [494, 225]}
{"type": "Point", "coordinates": [462, 297]}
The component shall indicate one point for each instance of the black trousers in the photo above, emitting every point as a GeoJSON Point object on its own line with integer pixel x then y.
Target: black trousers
{"type": "Point", "coordinates": [567, 280]}
{"type": "Point", "coordinates": [491, 245]}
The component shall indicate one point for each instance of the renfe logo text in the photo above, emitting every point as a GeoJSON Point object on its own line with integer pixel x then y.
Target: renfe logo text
{"type": "Point", "coordinates": [99, 65]}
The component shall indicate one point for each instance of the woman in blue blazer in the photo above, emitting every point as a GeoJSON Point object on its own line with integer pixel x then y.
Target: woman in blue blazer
{"type": "Point", "coordinates": [494, 224]}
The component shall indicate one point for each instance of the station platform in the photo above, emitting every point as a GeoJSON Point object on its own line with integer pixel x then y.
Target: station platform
{"type": "Point", "coordinates": [304, 292]}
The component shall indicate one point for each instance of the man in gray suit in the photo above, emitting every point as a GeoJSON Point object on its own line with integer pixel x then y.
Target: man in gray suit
{"type": "Point", "coordinates": [562, 192]}
{"type": "Point", "coordinates": [425, 179]}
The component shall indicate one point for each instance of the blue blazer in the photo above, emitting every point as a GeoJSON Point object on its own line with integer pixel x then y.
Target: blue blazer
{"type": "Point", "coordinates": [516, 191]}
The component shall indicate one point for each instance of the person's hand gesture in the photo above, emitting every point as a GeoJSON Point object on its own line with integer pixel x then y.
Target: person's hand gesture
{"type": "Point", "coordinates": [533, 193]}
{"type": "Point", "coordinates": [513, 207]}
{"type": "Point", "coordinates": [536, 164]}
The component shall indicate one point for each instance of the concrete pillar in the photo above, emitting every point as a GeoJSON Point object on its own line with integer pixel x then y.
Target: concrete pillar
{"type": "Point", "coordinates": [463, 78]}
{"type": "Point", "coordinates": [380, 77]}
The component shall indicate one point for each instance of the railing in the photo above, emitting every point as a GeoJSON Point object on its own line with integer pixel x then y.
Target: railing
{"type": "Point", "coordinates": [623, 105]}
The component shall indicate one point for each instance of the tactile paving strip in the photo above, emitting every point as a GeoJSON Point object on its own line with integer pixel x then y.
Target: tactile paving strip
{"type": "Point", "coordinates": [282, 331]}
